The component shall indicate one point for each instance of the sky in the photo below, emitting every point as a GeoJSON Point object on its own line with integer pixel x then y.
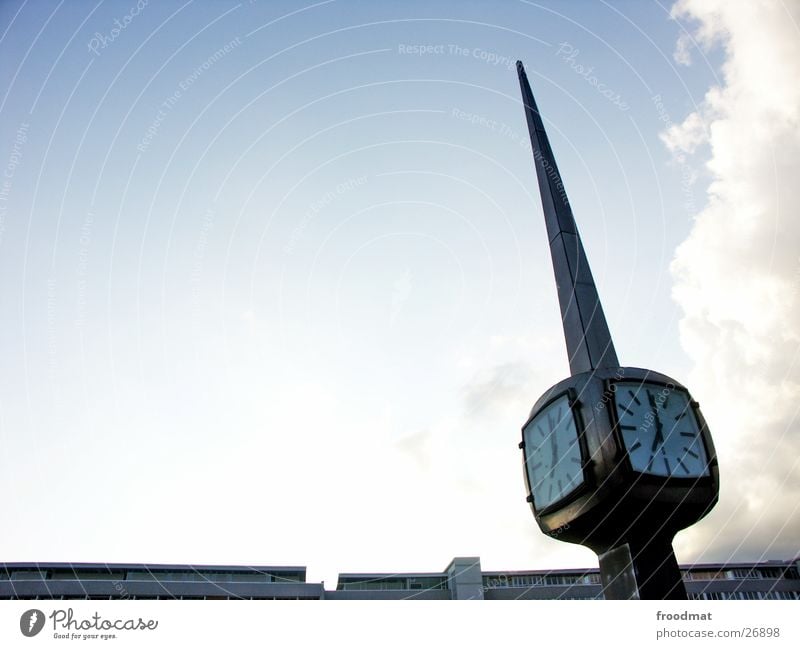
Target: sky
{"type": "Point", "coordinates": [275, 287]}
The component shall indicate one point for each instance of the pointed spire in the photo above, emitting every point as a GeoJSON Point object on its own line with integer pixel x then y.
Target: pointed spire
{"type": "Point", "coordinates": [589, 344]}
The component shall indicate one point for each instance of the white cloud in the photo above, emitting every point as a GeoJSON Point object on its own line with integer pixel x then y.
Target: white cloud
{"type": "Point", "coordinates": [686, 136]}
{"type": "Point", "coordinates": [737, 276]}
{"type": "Point", "coordinates": [683, 49]}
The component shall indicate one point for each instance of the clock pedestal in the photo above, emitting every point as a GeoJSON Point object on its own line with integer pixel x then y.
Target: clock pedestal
{"type": "Point", "coordinates": [642, 570]}
{"type": "Point", "coordinates": [625, 508]}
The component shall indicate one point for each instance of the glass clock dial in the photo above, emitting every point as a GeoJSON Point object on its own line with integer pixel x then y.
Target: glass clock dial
{"type": "Point", "coordinates": [552, 453]}
{"type": "Point", "coordinates": [660, 430]}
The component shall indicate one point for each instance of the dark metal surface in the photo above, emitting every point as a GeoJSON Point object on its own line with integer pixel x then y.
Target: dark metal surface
{"type": "Point", "coordinates": [617, 574]}
{"type": "Point", "coordinates": [627, 515]}
{"type": "Point", "coordinates": [642, 570]}
{"type": "Point", "coordinates": [588, 339]}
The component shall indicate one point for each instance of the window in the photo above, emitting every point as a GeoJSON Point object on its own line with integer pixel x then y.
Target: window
{"type": "Point", "coordinates": [288, 577]}
{"type": "Point", "coordinates": [704, 575]}
{"type": "Point", "coordinates": [24, 575]}
{"type": "Point", "coordinates": [87, 575]}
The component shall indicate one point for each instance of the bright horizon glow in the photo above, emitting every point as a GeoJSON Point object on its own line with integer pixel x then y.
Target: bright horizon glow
{"type": "Point", "coordinates": [275, 288]}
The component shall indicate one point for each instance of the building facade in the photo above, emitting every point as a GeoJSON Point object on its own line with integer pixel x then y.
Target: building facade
{"type": "Point", "coordinates": [462, 579]}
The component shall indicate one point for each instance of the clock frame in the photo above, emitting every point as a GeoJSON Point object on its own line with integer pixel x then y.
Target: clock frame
{"type": "Point", "coordinates": [612, 387]}
{"type": "Point", "coordinates": [572, 404]}
{"type": "Point", "coordinates": [615, 503]}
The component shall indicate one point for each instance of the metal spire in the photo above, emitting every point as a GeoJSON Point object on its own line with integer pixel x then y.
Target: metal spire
{"type": "Point", "coordinates": [589, 344]}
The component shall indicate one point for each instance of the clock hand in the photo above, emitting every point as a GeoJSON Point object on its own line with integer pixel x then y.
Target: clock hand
{"type": "Point", "coordinates": [660, 432]}
{"type": "Point", "coordinates": [554, 447]}
{"type": "Point", "coordinates": [658, 439]}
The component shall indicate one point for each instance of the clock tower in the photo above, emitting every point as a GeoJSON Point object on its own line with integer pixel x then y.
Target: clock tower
{"type": "Point", "coordinates": [618, 459]}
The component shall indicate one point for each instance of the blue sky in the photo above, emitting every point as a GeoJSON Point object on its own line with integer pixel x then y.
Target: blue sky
{"type": "Point", "coordinates": [274, 285]}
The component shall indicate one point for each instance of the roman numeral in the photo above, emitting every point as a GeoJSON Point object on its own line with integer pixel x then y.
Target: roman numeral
{"type": "Point", "coordinates": [637, 445]}
{"type": "Point", "coordinates": [683, 466]}
{"type": "Point", "coordinates": [633, 396]}
{"type": "Point", "coordinates": [692, 453]}
{"type": "Point", "coordinates": [627, 410]}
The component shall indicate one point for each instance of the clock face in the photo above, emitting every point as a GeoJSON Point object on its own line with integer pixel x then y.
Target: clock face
{"type": "Point", "coordinates": [552, 453]}
{"type": "Point", "coordinates": [660, 430]}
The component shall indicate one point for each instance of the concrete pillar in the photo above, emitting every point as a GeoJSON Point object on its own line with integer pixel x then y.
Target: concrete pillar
{"type": "Point", "coordinates": [464, 578]}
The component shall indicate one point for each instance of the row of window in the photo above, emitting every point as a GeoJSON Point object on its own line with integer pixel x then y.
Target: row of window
{"type": "Point", "coordinates": [524, 581]}
{"type": "Point", "coordinates": [737, 595]}
{"type": "Point", "coordinates": [411, 583]}
{"type": "Point", "coordinates": [145, 575]}
{"type": "Point", "coordinates": [107, 597]}
{"type": "Point", "coordinates": [249, 577]}
{"type": "Point", "coordinates": [395, 583]}
{"type": "Point", "coordinates": [777, 572]}
{"type": "Point", "coordinates": [774, 594]}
